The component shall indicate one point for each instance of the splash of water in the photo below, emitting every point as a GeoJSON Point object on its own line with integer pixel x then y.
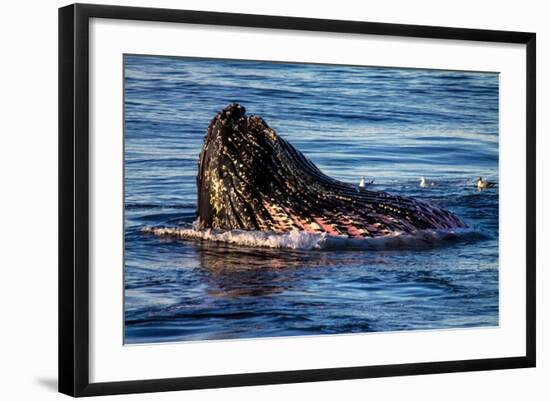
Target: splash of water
{"type": "Point", "coordinates": [302, 240]}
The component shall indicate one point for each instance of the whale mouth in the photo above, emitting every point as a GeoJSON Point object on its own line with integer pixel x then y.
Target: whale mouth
{"type": "Point", "coordinates": [249, 178]}
{"type": "Point", "coordinates": [232, 180]}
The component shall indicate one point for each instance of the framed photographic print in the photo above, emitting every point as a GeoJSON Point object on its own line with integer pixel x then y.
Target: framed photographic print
{"type": "Point", "coordinates": [250, 199]}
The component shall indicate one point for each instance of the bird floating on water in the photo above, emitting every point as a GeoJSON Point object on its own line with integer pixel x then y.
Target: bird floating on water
{"type": "Point", "coordinates": [425, 183]}
{"type": "Point", "coordinates": [482, 184]}
{"type": "Point", "coordinates": [363, 183]}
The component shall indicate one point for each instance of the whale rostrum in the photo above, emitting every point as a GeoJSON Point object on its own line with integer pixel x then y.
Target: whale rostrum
{"type": "Point", "coordinates": [250, 178]}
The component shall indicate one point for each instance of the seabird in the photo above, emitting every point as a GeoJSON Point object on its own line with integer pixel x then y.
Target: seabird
{"type": "Point", "coordinates": [424, 183]}
{"type": "Point", "coordinates": [481, 184]}
{"type": "Point", "coordinates": [363, 184]}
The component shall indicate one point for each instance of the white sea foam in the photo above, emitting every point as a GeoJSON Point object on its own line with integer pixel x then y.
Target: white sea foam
{"type": "Point", "coordinates": [316, 241]}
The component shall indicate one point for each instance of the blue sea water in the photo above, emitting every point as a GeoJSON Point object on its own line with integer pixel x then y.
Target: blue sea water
{"type": "Point", "coordinates": [388, 124]}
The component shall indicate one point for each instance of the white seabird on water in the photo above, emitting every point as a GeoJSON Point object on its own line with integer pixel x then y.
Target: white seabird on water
{"type": "Point", "coordinates": [425, 183]}
{"type": "Point", "coordinates": [482, 184]}
{"type": "Point", "coordinates": [363, 183]}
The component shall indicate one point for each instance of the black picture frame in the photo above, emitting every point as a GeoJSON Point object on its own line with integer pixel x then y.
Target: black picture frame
{"type": "Point", "coordinates": [74, 198]}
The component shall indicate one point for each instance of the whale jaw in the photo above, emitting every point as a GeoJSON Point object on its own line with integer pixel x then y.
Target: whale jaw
{"type": "Point", "coordinates": [231, 177]}
{"type": "Point", "coordinates": [250, 178]}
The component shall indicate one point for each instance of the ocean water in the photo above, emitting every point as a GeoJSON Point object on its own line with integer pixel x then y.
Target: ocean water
{"type": "Point", "coordinates": [388, 124]}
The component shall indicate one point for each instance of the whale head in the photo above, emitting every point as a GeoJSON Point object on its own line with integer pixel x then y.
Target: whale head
{"type": "Point", "coordinates": [252, 179]}
{"type": "Point", "coordinates": [239, 167]}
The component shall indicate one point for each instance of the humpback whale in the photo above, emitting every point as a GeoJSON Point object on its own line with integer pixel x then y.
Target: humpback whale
{"type": "Point", "coordinates": [250, 178]}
